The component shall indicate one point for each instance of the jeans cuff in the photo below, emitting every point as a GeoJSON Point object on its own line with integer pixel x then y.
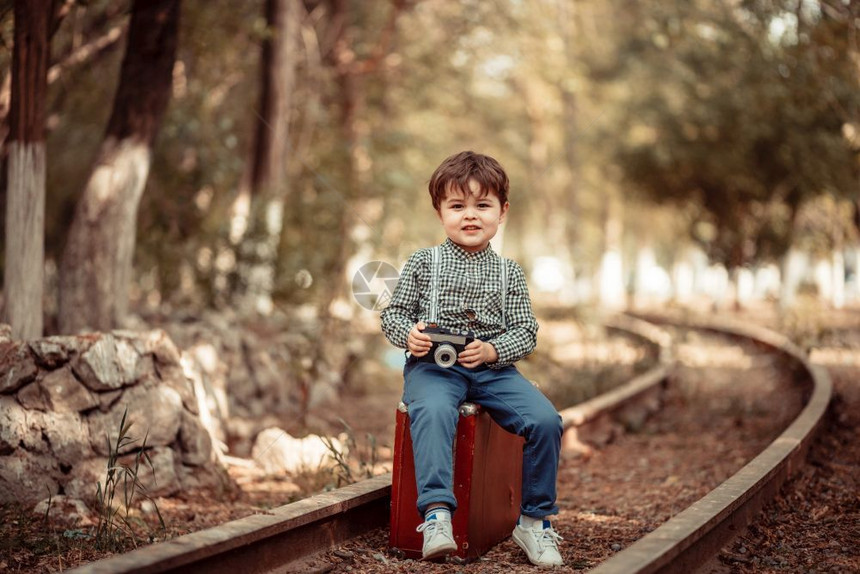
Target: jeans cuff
{"type": "Point", "coordinates": [438, 495]}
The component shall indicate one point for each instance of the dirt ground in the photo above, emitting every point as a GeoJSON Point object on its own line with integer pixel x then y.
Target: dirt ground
{"type": "Point", "coordinates": [708, 428]}
{"type": "Point", "coordinates": [814, 526]}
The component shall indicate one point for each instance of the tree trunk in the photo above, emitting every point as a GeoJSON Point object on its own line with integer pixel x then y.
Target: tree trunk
{"type": "Point", "coordinates": [25, 208]}
{"type": "Point", "coordinates": [612, 290]}
{"type": "Point", "coordinates": [793, 267]}
{"type": "Point", "coordinates": [258, 210]}
{"type": "Point", "coordinates": [837, 267]}
{"type": "Point", "coordinates": [350, 99]}
{"type": "Point", "coordinates": [360, 213]}
{"type": "Point", "coordinates": [96, 269]}
{"type": "Point", "coordinates": [570, 129]}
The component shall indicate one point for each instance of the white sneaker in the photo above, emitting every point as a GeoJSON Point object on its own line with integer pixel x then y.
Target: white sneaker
{"type": "Point", "coordinates": [438, 538]}
{"type": "Point", "coordinates": [540, 544]}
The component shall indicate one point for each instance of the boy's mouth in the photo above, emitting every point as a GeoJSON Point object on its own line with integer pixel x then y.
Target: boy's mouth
{"type": "Point", "coordinates": [471, 228]}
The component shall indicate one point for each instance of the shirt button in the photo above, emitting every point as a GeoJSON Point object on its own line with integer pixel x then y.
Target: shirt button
{"type": "Point", "coordinates": [471, 315]}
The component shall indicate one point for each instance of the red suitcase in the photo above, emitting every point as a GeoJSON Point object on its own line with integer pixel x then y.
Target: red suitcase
{"type": "Point", "coordinates": [488, 464]}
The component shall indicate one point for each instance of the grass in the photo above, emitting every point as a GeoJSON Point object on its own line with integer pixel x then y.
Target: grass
{"type": "Point", "coordinates": [345, 470]}
{"type": "Point", "coordinates": [28, 542]}
{"type": "Point", "coordinates": [114, 528]}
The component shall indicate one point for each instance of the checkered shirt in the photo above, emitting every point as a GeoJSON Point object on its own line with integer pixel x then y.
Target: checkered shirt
{"type": "Point", "coordinates": [469, 299]}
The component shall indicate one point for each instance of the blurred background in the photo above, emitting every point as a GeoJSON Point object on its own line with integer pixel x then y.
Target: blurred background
{"type": "Point", "coordinates": [245, 179]}
{"type": "Point", "coordinates": [694, 152]}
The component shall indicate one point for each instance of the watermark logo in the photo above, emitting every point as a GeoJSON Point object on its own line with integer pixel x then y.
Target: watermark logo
{"type": "Point", "coordinates": [373, 284]}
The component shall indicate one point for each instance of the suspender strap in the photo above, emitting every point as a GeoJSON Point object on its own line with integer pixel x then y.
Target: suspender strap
{"type": "Point", "coordinates": [435, 265]}
{"type": "Point", "coordinates": [504, 272]}
{"type": "Point", "coordinates": [435, 270]}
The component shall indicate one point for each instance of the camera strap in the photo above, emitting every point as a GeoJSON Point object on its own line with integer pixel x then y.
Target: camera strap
{"type": "Point", "coordinates": [435, 266]}
{"type": "Point", "coordinates": [435, 270]}
{"type": "Point", "coordinates": [504, 271]}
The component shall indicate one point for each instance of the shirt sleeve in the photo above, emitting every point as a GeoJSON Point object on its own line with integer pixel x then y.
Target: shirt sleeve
{"type": "Point", "coordinates": [401, 314]}
{"type": "Point", "coordinates": [520, 338]}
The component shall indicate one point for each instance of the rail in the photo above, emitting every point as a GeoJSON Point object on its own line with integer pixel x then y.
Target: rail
{"type": "Point", "coordinates": [265, 543]}
{"type": "Point", "coordinates": [691, 537]}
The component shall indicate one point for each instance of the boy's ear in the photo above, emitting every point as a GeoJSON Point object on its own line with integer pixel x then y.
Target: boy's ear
{"type": "Point", "coordinates": [504, 211]}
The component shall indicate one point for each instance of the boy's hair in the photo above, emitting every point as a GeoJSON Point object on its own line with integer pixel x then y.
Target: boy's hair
{"type": "Point", "coordinates": [456, 171]}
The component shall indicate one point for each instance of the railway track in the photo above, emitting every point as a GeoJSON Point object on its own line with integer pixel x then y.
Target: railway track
{"type": "Point", "coordinates": [279, 540]}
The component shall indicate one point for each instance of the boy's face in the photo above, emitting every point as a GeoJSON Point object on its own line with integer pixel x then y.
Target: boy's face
{"type": "Point", "coordinates": [471, 220]}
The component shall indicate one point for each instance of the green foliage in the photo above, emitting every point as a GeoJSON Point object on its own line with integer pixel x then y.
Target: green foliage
{"type": "Point", "coordinates": [114, 528]}
{"type": "Point", "coordinates": [728, 116]}
{"type": "Point", "coordinates": [743, 126]}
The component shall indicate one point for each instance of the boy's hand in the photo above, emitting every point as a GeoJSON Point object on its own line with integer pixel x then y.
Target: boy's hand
{"type": "Point", "coordinates": [417, 342]}
{"type": "Point", "coordinates": [477, 353]}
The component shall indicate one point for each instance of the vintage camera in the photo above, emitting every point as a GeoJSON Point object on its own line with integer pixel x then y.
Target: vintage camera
{"type": "Point", "coordinates": [447, 344]}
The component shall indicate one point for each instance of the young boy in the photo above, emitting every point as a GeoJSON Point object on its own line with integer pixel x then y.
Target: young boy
{"type": "Point", "coordinates": [470, 195]}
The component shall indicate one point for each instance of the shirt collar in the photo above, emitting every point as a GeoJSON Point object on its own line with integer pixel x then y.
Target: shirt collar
{"type": "Point", "coordinates": [461, 253]}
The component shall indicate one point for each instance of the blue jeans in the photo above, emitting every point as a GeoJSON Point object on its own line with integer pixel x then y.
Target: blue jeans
{"type": "Point", "coordinates": [433, 394]}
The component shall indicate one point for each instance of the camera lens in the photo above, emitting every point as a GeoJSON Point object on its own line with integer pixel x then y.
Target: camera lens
{"type": "Point", "coordinates": [445, 355]}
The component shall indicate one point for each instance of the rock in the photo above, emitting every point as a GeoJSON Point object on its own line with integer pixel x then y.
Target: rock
{"type": "Point", "coordinates": [33, 397]}
{"type": "Point", "coordinates": [17, 366]}
{"type": "Point", "coordinates": [64, 397]}
{"type": "Point", "coordinates": [145, 369]}
{"type": "Point", "coordinates": [209, 476]}
{"type": "Point", "coordinates": [148, 507]}
{"type": "Point", "coordinates": [108, 364]}
{"type": "Point", "coordinates": [161, 346]}
{"type": "Point", "coordinates": [159, 479]}
{"type": "Point", "coordinates": [242, 431]}
{"type": "Point", "coordinates": [276, 451]}
{"type": "Point", "coordinates": [107, 399]}
{"type": "Point", "coordinates": [28, 477]}
{"type": "Point", "coordinates": [153, 413]}
{"type": "Point", "coordinates": [174, 376]}
{"type": "Point", "coordinates": [206, 356]}
{"type": "Point", "coordinates": [53, 352]}
{"type": "Point", "coordinates": [20, 429]}
{"type": "Point", "coordinates": [194, 441]}
{"type": "Point", "coordinates": [83, 480]}
{"type": "Point", "coordinates": [207, 376]}
{"type": "Point", "coordinates": [268, 375]}
{"type": "Point", "coordinates": [65, 393]}
{"type": "Point", "coordinates": [324, 390]}
{"type": "Point", "coordinates": [68, 437]}
{"type": "Point", "coordinates": [66, 511]}
{"type": "Point", "coordinates": [378, 556]}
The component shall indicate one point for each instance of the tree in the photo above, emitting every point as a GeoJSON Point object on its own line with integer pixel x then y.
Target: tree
{"type": "Point", "coordinates": [96, 267]}
{"type": "Point", "coordinates": [259, 207]}
{"type": "Point", "coordinates": [358, 214]}
{"type": "Point", "coordinates": [739, 125]}
{"type": "Point", "coordinates": [25, 210]}
{"type": "Point", "coordinates": [91, 42]}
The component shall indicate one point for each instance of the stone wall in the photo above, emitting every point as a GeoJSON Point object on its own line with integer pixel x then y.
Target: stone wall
{"type": "Point", "coordinates": [259, 374]}
{"type": "Point", "coordinates": [61, 402]}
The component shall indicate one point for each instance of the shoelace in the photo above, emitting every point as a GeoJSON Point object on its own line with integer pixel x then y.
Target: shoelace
{"type": "Point", "coordinates": [548, 538]}
{"type": "Point", "coordinates": [430, 525]}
